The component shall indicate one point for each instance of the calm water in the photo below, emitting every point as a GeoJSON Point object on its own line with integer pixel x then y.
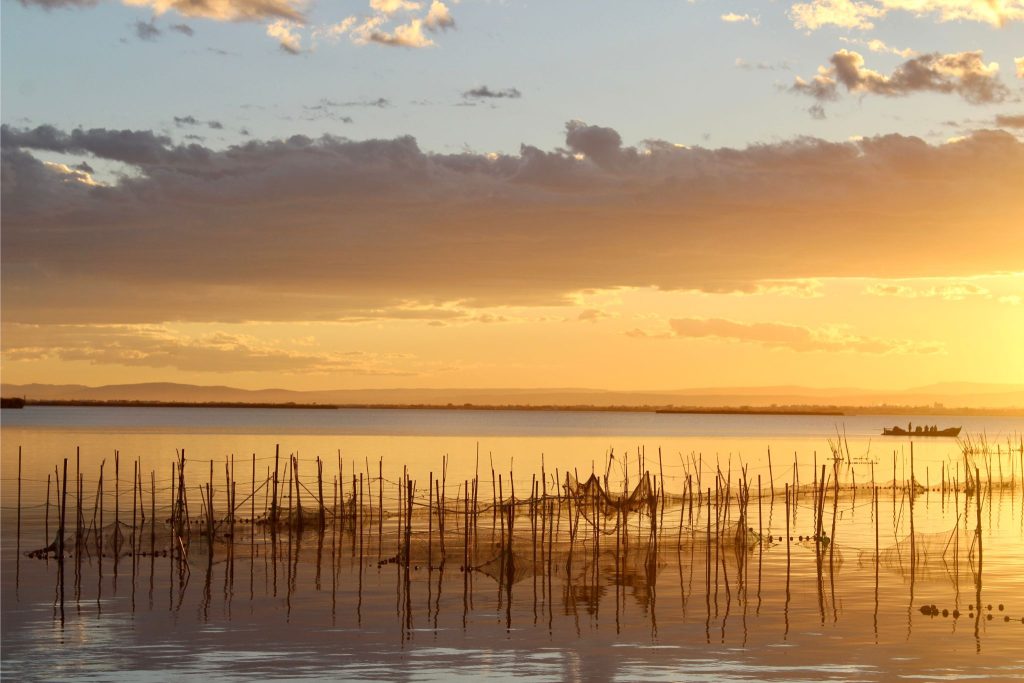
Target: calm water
{"type": "Point", "coordinates": [320, 607]}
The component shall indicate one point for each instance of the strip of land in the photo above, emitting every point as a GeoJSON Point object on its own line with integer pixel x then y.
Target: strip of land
{"type": "Point", "coordinates": [666, 410]}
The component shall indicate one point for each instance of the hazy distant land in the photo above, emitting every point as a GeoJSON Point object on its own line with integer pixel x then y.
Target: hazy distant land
{"type": "Point", "coordinates": [938, 399]}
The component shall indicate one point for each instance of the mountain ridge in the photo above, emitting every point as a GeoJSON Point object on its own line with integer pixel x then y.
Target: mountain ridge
{"type": "Point", "coordinates": [948, 394]}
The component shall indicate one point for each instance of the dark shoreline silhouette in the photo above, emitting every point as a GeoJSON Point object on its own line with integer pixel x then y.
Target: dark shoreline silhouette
{"type": "Point", "coordinates": [809, 409]}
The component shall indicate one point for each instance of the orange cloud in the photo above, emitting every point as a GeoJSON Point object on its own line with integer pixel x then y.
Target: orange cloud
{"type": "Point", "coordinates": [155, 346]}
{"type": "Point", "coordinates": [951, 292]}
{"type": "Point", "coordinates": [793, 337]}
{"type": "Point", "coordinates": [328, 229]}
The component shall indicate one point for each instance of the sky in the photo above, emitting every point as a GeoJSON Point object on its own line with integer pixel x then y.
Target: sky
{"type": "Point", "coordinates": [657, 194]}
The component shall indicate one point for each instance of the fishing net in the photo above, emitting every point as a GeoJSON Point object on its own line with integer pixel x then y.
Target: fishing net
{"type": "Point", "coordinates": [925, 551]}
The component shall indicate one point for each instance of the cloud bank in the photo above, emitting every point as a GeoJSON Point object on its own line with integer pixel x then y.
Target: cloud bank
{"type": "Point", "coordinates": [321, 229]}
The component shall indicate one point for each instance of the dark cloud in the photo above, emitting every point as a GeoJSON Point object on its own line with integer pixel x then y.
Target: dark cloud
{"type": "Point", "coordinates": [183, 121]}
{"type": "Point", "coordinates": [602, 145]}
{"type": "Point", "coordinates": [303, 229]}
{"type": "Point", "coordinates": [183, 29]}
{"type": "Point", "coordinates": [1010, 121]}
{"type": "Point", "coordinates": [146, 30]}
{"type": "Point", "coordinates": [483, 92]}
{"type": "Point", "coordinates": [140, 148]}
{"type": "Point", "coordinates": [962, 73]}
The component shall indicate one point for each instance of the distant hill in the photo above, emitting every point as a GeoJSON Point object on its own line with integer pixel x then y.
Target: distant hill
{"type": "Point", "coordinates": [949, 395]}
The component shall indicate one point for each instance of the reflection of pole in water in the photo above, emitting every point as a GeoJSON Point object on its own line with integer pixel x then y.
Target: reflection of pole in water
{"type": "Point", "coordinates": [718, 533]}
{"type": "Point", "coordinates": [60, 542]}
{"type": "Point", "coordinates": [437, 599]}
{"type": "Point", "coordinates": [465, 559]}
{"type": "Point", "coordinates": [17, 551]}
{"type": "Point", "coordinates": [550, 574]}
{"type": "Point", "coordinates": [788, 565]}
{"type": "Point", "coordinates": [116, 540]}
{"type": "Point", "coordinates": [977, 581]}
{"type": "Point", "coordinates": [832, 541]}
{"type": "Point", "coordinates": [707, 573]}
{"type": "Point", "coordinates": [760, 545]}
{"type": "Point", "coordinates": [205, 604]}
{"type": "Point", "coordinates": [875, 500]}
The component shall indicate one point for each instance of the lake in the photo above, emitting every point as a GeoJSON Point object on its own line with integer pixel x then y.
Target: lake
{"type": "Point", "coordinates": [556, 599]}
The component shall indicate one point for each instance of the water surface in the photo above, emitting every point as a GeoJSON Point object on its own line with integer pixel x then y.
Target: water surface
{"type": "Point", "coordinates": [319, 607]}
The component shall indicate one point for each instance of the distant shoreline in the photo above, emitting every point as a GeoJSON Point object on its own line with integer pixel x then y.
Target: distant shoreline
{"type": "Point", "coordinates": [751, 411]}
{"type": "Point", "coordinates": [795, 410]}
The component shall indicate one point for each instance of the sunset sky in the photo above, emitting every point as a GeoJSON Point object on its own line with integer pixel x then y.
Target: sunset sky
{"type": "Point", "coordinates": [654, 194]}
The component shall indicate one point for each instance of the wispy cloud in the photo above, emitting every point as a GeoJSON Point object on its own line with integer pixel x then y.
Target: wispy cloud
{"type": "Point", "coordinates": [762, 66]}
{"type": "Point", "coordinates": [862, 14]}
{"type": "Point", "coordinates": [876, 45]}
{"type": "Point", "coordinates": [157, 346]}
{"type": "Point", "coordinates": [794, 337]}
{"type": "Point", "coordinates": [733, 18]}
{"type": "Point", "coordinates": [592, 315]}
{"type": "Point", "coordinates": [400, 23]}
{"type": "Point", "coordinates": [222, 10]}
{"type": "Point", "coordinates": [957, 291]}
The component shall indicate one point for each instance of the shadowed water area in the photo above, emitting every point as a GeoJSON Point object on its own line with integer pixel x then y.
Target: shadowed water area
{"type": "Point", "coordinates": [334, 545]}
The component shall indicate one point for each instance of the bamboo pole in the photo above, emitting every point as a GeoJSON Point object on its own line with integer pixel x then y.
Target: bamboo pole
{"type": "Point", "coordinates": [320, 491]}
{"type": "Point", "coordinates": [18, 549]}
{"type": "Point", "coordinates": [152, 512]}
{"type": "Point", "coordinates": [63, 510]}
{"type": "Point", "coordinates": [273, 497]}
{"type": "Point", "coordinates": [298, 493]}
{"type": "Point", "coordinates": [117, 504]}
{"type": "Point", "coordinates": [46, 523]}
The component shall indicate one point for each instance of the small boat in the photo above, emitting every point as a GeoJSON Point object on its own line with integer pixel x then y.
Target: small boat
{"type": "Point", "coordinates": [920, 431]}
